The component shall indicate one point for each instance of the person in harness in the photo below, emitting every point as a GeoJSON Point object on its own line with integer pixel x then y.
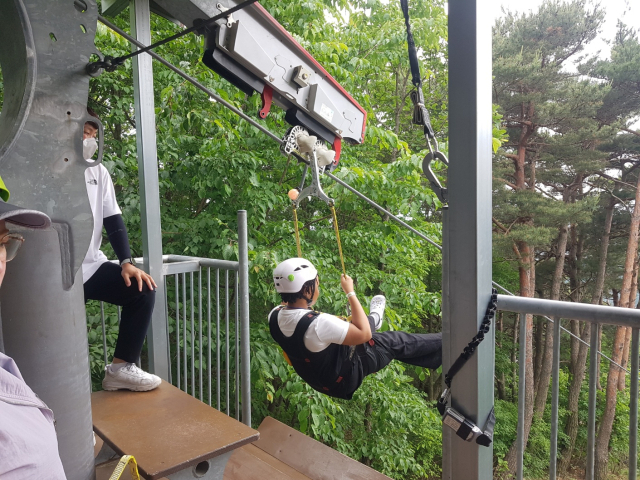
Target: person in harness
{"type": "Point", "coordinates": [331, 355]}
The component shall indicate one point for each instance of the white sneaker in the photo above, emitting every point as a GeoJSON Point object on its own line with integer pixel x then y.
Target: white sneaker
{"type": "Point", "coordinates": [377, 307]}
{"type": "Point", "coordinates": [129, 377]}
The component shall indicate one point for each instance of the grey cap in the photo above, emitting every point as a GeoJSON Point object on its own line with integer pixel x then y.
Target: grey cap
{"type": "Point", "coordinates": [23, 216]}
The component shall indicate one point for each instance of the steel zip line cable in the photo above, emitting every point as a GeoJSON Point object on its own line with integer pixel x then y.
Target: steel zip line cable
{"type": "Point", "coordinates": [300, 159]}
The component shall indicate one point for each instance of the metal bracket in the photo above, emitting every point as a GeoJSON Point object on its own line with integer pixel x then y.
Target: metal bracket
{"type": "Point", "coordinates": [230, 20]}
{"type": "Point", "coordinates": [309, 149]}
{"type": "Point", "coordinates": [439, 190]}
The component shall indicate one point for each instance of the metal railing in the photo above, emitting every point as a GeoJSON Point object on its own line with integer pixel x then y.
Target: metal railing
{"type": "Point", "coordinates": [595, 315]}
{"type": "Point", "coordinates": [207, 320]}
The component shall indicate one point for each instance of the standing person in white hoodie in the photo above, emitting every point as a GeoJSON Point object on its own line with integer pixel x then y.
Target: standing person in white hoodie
{"type": "Point", "coordinates": [123, 285]}
{"type": "Point", "coordinates": [28, 442]}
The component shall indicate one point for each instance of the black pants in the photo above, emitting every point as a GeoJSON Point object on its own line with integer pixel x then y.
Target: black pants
{"type": "Point", "coordinates": [107, 285]}
{"type": "Point", "coordinates": [420, 349]}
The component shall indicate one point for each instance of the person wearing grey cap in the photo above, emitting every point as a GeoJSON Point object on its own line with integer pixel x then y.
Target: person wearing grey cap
{"type": "Point", "coordinates": [28, 442]}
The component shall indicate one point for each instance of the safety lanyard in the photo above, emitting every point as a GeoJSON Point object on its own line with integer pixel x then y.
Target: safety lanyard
{"type": "Point", "coordinates": [464, 427]}
{"type": "Point", "coordinates": [421, 114]}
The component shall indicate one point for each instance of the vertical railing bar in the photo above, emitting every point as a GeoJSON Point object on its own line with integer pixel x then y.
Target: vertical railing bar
{"type": "Point", "coordinates": [218, 337]}
{"type": "Point", "coordinates": [633, 405]}
{"type": "Point", "coordinates": [200, 326]}
{"type": "Point", "coordinates": [237, 310]}
{"type": "Point", "coordinates": [522, 359]}
{"type": "Point", "coordinates": [226, 318]}
{"type": "Point", "coordinates": [166, 309]}
{"type": "Point", "coordinates": [177, 286]}
{"type": "Point", "coordinates": [593, 383]}
{"type": "Point", "coordinates": [555, 390]}
{"type": "Point", "coordinates": [119, 314]}
{"type": "Point", "coordinates": [184, 332]}
{"type": "Point", "coordinates": [104, 335]}
{"type": "Point", "coordinates": [193, 338]}
{"type": "Point", "coordinates": [209, 331]}
{"type": "Point", "coordinates": [243, 298]}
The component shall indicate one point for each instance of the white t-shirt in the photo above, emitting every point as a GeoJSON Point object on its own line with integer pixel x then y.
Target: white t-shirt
{"type": "Point", "coordinates": [102, 198]}
{"type": "Point", "coordinates": [323, 331]}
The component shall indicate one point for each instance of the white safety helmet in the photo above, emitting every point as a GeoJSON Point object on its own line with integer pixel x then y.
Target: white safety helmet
{"type": "Point", "coordinates": [290, 275]}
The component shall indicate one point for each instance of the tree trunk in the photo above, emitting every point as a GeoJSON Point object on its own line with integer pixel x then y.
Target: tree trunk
{"type": "Point", "coordinates": [606, 422]}
{"type": "Point", "coordinates": [527, 287]}
{"type": "Point", "coordinates": [540, 326]}
{"type": "Point", "coordinates": [571, 428]}
{"type": "Point", "coordinates": [542, 388]}
{"type": "Point", "coordinates": [627, 337]}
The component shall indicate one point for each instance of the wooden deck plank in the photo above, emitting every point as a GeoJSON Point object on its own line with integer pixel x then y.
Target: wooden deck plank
{"type": "Point", "coordinates": [308, 456]}
{"type": "Point", "coordinates": [251, 463]}
{"type": "Point", "coordinates": [166, 430]}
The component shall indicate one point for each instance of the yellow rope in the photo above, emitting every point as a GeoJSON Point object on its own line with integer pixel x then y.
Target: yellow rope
{"type": "Point", "coordinates": [335, 226]}
{"type": "Point", "coordinates": [295, 224]}
{"type": "Point", "coordinates": [124, 461]}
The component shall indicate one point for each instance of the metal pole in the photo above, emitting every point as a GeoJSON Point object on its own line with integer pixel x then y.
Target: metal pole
{"type": "Point", "coordinates": [469, 241]}
{"type": "Point", "coordinates": [218, 369]}
{"type": "Point", "coordinates": [554, 400]}
{"type": "Point", "coordinates": [243, 299]}
{"type": "Point", "coordinates": [209, 372]}
{"type": "Point", "coordinates": [633, 406]}
{"type": "Point", "coordinates": [177, 291]}
{"type": "Point", "coordinates": [591, 423]}
{"type": "Point", "coordinates": [586, 312]}
{"type": "Point", "coordinates": [522, 398]}
{"type": "Point", "coordinates": [140, 19]}
{"type": "Point", "coordinates": [237, 342]}
{"type": "Point", "coordinates": [226, 338]}
{"type": "Point", "coordinates": [193, 339]}
{"type": "Point", "coordinates": [184, 333]}
{"type": "Point", "coordinates": [447, 435]}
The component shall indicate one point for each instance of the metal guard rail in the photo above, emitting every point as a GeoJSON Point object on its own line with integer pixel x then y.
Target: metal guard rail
{"type": "Point", "coordinates": [596, 315]}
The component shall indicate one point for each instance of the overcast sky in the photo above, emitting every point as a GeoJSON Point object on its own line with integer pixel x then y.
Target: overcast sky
{"type": "Point", "coordinates": [628, 10]}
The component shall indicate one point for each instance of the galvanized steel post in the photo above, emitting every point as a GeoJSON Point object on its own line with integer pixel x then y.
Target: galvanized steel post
{"type": "Point", "coordinates": [243, 298]}
{"type": "Point", "coordinates": [522, 401]}
{"type": "Point", "coordinates": [468, 246]}
{"type": "Point", "coordinates": [633, 405]}
{"type": "Point", "coordinates": [149, 189]}
{"type": "Point", "coordinates": [593, 383]}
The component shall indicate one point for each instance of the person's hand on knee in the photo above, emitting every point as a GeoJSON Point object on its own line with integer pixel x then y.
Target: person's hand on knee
{"type": "Point", "coordinates": [130, 272]}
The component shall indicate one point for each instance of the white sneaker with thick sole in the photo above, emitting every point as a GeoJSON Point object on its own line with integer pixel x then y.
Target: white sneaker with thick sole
{"type": "Point", "coordinates": [377, 306]}
{"type": "Point", "coordinates": [129, 377]}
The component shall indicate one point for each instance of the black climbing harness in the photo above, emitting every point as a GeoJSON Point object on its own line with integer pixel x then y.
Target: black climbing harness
{"type": "Point", "coordinates": [421, 114]}
{"type": "Point", "coordinates": [464, 427]}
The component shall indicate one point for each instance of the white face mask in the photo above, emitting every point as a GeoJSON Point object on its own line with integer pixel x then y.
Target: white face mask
{"type": "Point", "coordinates": [89, 147]}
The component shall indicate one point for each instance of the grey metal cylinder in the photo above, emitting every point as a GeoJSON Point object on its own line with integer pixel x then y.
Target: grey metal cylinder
{"type": "Point", "coordinates": [44, 330]}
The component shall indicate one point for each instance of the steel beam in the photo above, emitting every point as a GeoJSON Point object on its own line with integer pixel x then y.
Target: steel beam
{"type": "Point", "coordinates": [625, 317]}
{"type": "Point", "coordinates": [468, 249]}
{"type": "Point", "coordinates": [149, 189]}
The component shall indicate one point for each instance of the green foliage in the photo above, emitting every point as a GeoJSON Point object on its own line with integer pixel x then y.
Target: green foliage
{"type": "Point", "coordinates": [212, 164]}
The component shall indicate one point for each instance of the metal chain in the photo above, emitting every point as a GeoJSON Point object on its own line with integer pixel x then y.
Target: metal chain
{"type": "Point", "coordinates": [470, 349]}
